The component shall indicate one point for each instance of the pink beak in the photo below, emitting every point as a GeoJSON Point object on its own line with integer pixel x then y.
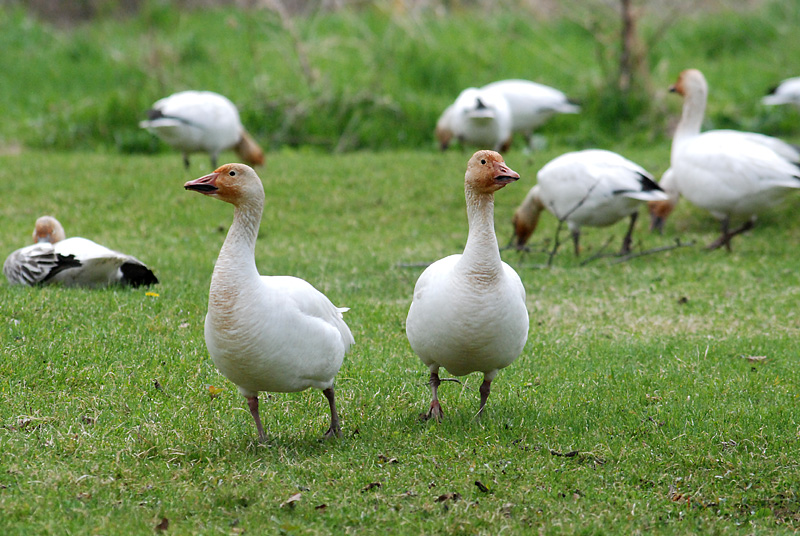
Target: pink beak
{"type": "Point", "coordinates": [504, 174]}
{"type": "Point", "coordinates": [205, 185]}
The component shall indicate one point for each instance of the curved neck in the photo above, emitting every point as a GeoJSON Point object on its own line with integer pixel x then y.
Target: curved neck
{"type": "Point", "coordinates": [236, 264]}
{"type": "Point", "coordinates": [481, 254]}
{"type": "Point", "coordinates": [694, 108]}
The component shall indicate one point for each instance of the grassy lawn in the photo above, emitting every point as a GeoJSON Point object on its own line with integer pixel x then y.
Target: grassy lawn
{"type": "Point", "coordinates": [655, 394]}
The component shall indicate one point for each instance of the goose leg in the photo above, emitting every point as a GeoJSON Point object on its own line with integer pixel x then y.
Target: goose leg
{"type": "Point", "coordinates": [252, 403]}
{"type": "Point", "coordinates": [186, 160]}
{"type": "Point", "coordinates": [334, 430]}
{"type": "Point", "coordinates": [435, 412]}
{"type": "Point", "coordinates": [627, 242]}
{"type": "Point", "coordinates": [485, 390]}
{"type": "Point", "coordinates": [725, 238]}
{"type": "Point", "coordinates": [576, 238]}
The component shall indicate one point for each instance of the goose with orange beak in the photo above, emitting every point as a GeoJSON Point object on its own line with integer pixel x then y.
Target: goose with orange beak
{"type": "Point", "coordinates": [266, 333]}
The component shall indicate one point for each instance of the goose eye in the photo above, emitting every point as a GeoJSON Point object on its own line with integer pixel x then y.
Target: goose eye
{"type": "Point", "coordinates": [483, 161]}
{"type": "Point", "coordinates": [232, 173]}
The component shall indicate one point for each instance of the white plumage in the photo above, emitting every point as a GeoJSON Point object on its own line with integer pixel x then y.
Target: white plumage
{"type": "Point", "coordinates": [787, 92]}
{"type": "Point", "coordinates": [734, 175]}
{"type": "Point", "coordinates": [468, 313]}
{"type": "Point", "coordinates": [266, 333]}
{"type": "Point", "coordinates": [593, 187]}
{"type": "Point", "coordinates": [490, 115]}
{"type": "Point", "coordinates": [201, 121]}
{"type": "Point", "coordinates": [73, 262]}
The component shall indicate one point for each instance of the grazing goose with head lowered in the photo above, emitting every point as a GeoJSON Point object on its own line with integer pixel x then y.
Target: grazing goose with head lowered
{"type": "Point", "coordinates": [73, 262]}
{"type": "Point", "coordinates": [201, 121]}
{"type": "Point", "coordinates": [266, 333]}
{"type": "Point", "coordinates": [734, 175]}
{"type": "Point", "coordinates": [468, 313]}
{"type": "Point", "coordinates": [593, 187]}
{"type": "Point", "coordinates": [787, 92]}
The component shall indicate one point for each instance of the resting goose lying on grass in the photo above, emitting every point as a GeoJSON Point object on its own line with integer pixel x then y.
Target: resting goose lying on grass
{"type": "Point", "coordinates": [468, 312]}
{"type": "Point", "coordinates": [266, 333]}
{"type": "Point", "coordinates": [73, 262]}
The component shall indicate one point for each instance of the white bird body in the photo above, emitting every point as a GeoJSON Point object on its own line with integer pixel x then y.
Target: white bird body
{"type": "Point", "coordinates": [266, 333]}
{"type": "Point", "coordinates": [593, 187]}
{"type": "Point", "coordinates": [73, 262]}
{"type": "Point", "coordinates": [490, 115]}
{"type": "Point", "coordinates": [468, 313]}
{"type": "Point", "coordinates": [734, 175]}
{"type": "Point", "coordinates": [201, 121]}
{"type": "Point", "coordinates": [531, 104]}
{"type": "Point", "coordinates": [481, 118]}
{"type": "Point", "coordinates": [787, 92]}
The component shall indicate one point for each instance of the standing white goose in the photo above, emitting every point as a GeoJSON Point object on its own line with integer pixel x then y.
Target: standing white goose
{"type": "Point", "coordinates": [531, 104]}
{"type": "Point", "coordinates": [593, 187]}
{"type": "Point", "coordinates": [201, 121]}
{"type": "Point", "coordinates": [787, 92]}
{"type": "Point", "coordinates": [479, 118]}
{"type": "Point", "coordinates": [73, 262]}
{"type": "Point", "coordinates": [468, 313]}
{"type": "Point", "coordinates": [734, 175]}
{"type": "Point", "coordinates": [266, 333]}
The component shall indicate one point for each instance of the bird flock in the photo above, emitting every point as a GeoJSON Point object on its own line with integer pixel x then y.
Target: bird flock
{"type": "Point", "coordinates": [468, 311]}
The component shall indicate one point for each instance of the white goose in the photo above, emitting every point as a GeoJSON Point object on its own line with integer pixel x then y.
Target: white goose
{"type": "Point", "coordinates": [593, 187]}
{"type": "Point", "coordinates": [734, 175]}
{"type": "Point", "coordinates": [201, 121]}
{"type": "Point", "coordinates": [73, 262]}
{"type": "Point", "coordinates": [468, 313]}
{"type": "Point", "coordinates": [479, 118]}
{"type": "Point", "coordinates": [505, 107]}
{"type": "Point", "coordinates": [531, 104]}
{"type": "Point", "coordinates": [266, 333]}
{"type": "Point", "coordinates": [787, 92]}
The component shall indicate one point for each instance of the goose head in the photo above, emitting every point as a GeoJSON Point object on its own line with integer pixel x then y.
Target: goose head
{"type": "Point", "coordinates": [233, 183]}
{"type": "Point", "coordinates": [660, 210]}
{"type": "Point", "coordinates": [691, 82]}
{"type": "Point", "coordinates": [487, 173]}
{"type": "Point", "coordinates": [48, 229]}
{"type": "Point", "coordinates": [526, 218]}
{"type": "Point", "coordinates": [249, 150]}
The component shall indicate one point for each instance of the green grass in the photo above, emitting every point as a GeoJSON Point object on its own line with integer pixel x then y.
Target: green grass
{"type": "Point", "coordinates": [633, 408]}
{"type": "Point", "coordinates": [108, 426]}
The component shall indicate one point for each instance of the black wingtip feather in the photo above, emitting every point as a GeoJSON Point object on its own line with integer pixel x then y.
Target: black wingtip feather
{"type": "Point", "coordinates": [137, 275]}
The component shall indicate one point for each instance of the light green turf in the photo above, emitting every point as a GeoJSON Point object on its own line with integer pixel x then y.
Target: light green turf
{"type": "Point", "coordinates": [108, 426]}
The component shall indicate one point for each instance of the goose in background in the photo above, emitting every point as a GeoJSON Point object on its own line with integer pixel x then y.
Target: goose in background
{"type": "Point", "coordinates": [531, 104]}
{"type": "Point", "coordinates": [479, 118]}
{"type": "Point", "coordinates": [201, 121]}
{"type": "Point", "coordinates": [468, 312]}
{"type": "Point", "coordinates": [733, 175]}
{"type": "Point", "coordinates": [73, 262]}
{"type": "Point", "coordinates": [787, 92]}
{"type": "Point", "coordinates": [593, 187]}
{"type": "Point", "coordinates": [266, 333]}
{"type": "Point", "coordinates": [490, 115]}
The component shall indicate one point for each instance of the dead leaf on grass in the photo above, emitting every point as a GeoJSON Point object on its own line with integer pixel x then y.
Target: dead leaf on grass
{"type": "Point", "coordinates": [386, 459]}
{"type": "Point", "coordinates": [291, 500]}
{"type": "Point", "coordinates": [321, 507]}
{"type": "Point", "coordinates": [449, 496]}
{"type": "Point", "coordinates": [754, 358]}
{"type": "Point", "coordinates": [163, 525]}
{"type": "Point", "coordinates": [481, 486]}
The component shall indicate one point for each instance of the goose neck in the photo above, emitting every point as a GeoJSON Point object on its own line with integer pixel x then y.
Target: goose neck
{"type": "Point", "coordinates": [482, 253]}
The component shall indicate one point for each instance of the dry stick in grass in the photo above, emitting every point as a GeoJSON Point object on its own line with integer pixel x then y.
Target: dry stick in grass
{"type": "Point", "coordinates": [561, 221]}
{"type": "Point", "coordinates": [299, 47]}
{"type": "Point", "coordinates": [629, 256]}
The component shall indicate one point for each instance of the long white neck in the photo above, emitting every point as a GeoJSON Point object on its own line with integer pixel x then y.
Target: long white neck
{"type": "Point", "coordinates": [481, 256]}
{"type": "Point", "coordinates": [694, 108]}
{"type": "Point", "coordinates": [235, 271]}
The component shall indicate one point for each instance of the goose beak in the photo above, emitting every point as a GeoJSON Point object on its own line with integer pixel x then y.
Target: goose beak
{"type": "Point", "coordinates": [504, 174]}
{"type": "Point", "coordinates": [205, 185]}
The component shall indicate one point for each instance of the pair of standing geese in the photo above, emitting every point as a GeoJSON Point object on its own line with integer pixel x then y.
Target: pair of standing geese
{"type": "Point", "coordinates": [468, 312]}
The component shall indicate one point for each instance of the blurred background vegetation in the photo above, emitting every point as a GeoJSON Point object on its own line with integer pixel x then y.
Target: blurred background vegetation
{"type": "Point", "coordinates": [343, 75]}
